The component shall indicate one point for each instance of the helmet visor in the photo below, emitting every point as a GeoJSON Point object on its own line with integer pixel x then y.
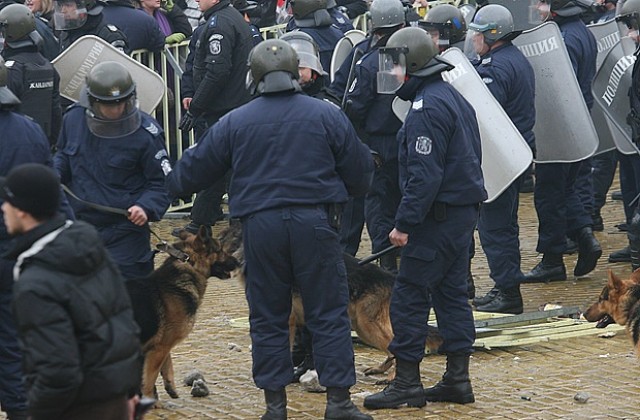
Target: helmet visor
{"type": "Point", "coordinates": [69, 14]}
{"type": "Point", "coordinates": [113, 119]}
{"type": "Point", "coordinates": [306, 54]}
{"type": "Point", "coordinates": [474, 44]}
{"type": "Point", "coordinates": [629, 25]}
{"type": "Point", "coordinates": [3, 36]}
{"type": "Point", "coordinates": [392, 69]}
{"type": "Point", "coordinates": [539, 12]}
{"type": "Point", "coordinates": [440, 34]}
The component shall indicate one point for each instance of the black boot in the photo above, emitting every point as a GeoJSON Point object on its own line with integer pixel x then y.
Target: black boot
{"type": "Point", "coordinates": [589, 251]}
{"type": "Point", "coordinates": [491, 294]}
{"type": "Point", "coordinates": [406, 388]}
{"type": "Point", "coordinates": [340, 406]}
{"type": "Point", "coordinates": [551, 268]}
{"type": "Point", "coordinates": [634, 241]}
{"type": "Point", "coordinates": [621, 255]}
{"type": "Point", "coordinates": [455, 385]}
{"type": "Point", "coordinates": [506, 301]}
{"type": "Point", "coordinates": [276, 405]}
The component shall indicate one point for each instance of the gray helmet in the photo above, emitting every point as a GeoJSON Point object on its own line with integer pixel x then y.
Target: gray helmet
{"type": "Point", "coordinates": [494, 21]}
{"type": "Point", "coordinates": [630, 14]}
{"type": "Point", "coordinates": [418, 48]}
{"type": "Point", "coordinates": [306, 48]}
{"type": "Point", "coordinates": [18, 25]}
{"type": "Point", "coordinates": [567, 8]}
{"type": "Point", "coordinates": [448, 21]}
{"type": "Point", "coordinates": [7, 99]}
{"type": "Point", "coordinates": [109, 83]}
{"type": "Point", "coordinates": [274, 67]}
{"type": "Point", "coordinates": [310, 13]}
{"type": "Point", "coordinates": [386, 14]}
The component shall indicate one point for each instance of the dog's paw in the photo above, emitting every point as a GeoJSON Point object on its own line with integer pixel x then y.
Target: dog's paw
{"type": "Point", "coordinates": [172, 392]}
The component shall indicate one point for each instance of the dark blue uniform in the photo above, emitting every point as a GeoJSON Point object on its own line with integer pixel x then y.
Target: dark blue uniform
{"type": "Point", "coordinates": [26, 144]}
{"type": "Point", "coordinates": [371, 112]}
{"type": "Point", "coordinates": [442, 185]}
{"type": "Point", "coordinates": [119, 172]}
{"type": "Point", "coordinates": [564, 191]}
{"type": "Point", "coordinates": [338, 18]}
{"type": "Point", "coordinates": [511, 80]}
{"type": "Point", "coordinates": [285, 173]}
{"type": "Point", "coordinates": [141, 29]}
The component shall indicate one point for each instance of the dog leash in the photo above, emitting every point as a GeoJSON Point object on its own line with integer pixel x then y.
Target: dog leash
{"type": "Point", "coordinates": [377, 255]}
{"type": "Point", "coordinates": [163, 246]}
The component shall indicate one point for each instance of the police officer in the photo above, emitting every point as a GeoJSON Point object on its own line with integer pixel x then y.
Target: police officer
{"type": "Point", "coordinates": [212, 85]}
{"type": "Point", "coordinates": [313, 18]}
{"type": "Point", "coordinates": [510, 78]}
{"type": "Point", "coordinates": [442, 186]}
{"type": "Point", "coordinates": [630, 164]}
{"type": "Point", "coordinates": [112, 154]}
{"type": "Point", "coordinates": [562, 210]}
{"type": "Point", "coordinates": [31, 76]}
{"type": "Point", "coordinates": [285, 191]}
{"type": "Point", "coordinates": [49, 45]}
{"type": "Point", "coordinates": [141, 29]}
{"type": "Point", "coordinates": [446, 25]}
{"type": "Point", "coordinates": [371, 111]}
{"type": "Point", "coordinates": [26, 143]}
{"type": "Point", "coordinates": [247, 8]}
{"type": "Point", "coordinates": [339, 19]}
{"type": "Point", "coordinates": [77, 18]}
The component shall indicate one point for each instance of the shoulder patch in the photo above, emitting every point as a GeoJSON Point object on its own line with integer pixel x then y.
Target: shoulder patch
{"type": "Point", "coordinates": [166, 166]}
{"type": "Point", "coordinates": [153, 129]}
{"type": "Point", "coordinates": [112, 28]}
{"type": "Point", "coordinates": [216, 36]}
{"type": "Point", "coordinates": [486, 61]}
{"type": "Point", "coordinates": [417, 104]}
{"type": "Point", "coordinates": [215, 47]}
{"type": "Point", "coordinates": [423, 145]}
{"type": "Point", "coordinates": [9, 63]}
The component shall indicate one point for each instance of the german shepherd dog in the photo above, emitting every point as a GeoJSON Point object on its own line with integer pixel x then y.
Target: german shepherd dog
{"type": "Point", "coordinates": [369, 298]}
{"type": "Point", "coordinates": [165, 303]}
{"type": "Point", "coordinates": [619, 302]}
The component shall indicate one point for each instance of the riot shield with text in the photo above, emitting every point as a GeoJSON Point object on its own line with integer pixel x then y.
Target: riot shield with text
{"type": "Point", "coordinates": [74, 63]}
{"type": "Point", "coordinates": [607, 35]}
{"type": "Point", "coordinates": [610, 90]}
{"type": "Point", "coordinates": [564, 129]}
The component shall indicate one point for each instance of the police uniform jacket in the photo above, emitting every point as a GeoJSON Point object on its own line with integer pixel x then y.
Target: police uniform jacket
{"type": "Point", "coordinates": [510, 78]}
{"type": "Point", "coordinates": [141, 29]}
{"type": "Point", "coordinates": [439, 154]}
{"type": "Point", "coordinates": [95, 25]}
{"type": "Point", "coordinates": [216, 67]}
{"type": "Point", "coordinates": [34, 80]}
{"type": "Point", "coordinates": [583, 50]}
{"type": "Point", "coordinates": [119, 172]}
{"type": "Point", "coordinates": [74, 320]}
{"type": "Point", "coordinates": [310, 156]}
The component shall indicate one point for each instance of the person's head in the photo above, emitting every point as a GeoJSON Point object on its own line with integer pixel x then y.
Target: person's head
{"type": "Point", "coordinates": [246, 7]}
{"type": "Point", "coordinates": [387, 16]}
{"type": "Point", "coordinates": [491, 24]}
{"type": "Point", "coordinates": [629, 18]}
{"type": "Point", "coordinates": [72, 14]}
{"type": "Point", "coordinates": [111, 102]}
{"type": "Point", "coordinates": [273, 67]}
{"type": "Point", "coordinates": [446, 25]}
{"type": "Point", "coordinates": [309, 65]}
{"type": "Point", "coordinates": [8, 100]}
{"type": "Point", "coordinates": [408, 52]}
{"type": "Point", "coordinates": [18, 26]}
{"type": "Point", "coordinates": [205, 5]}
{"type": "Point", "coordinates": [553, 9]}
{"type": "Point", "coordinates": [31, 195]}
{"type": "Point", "coordinates": [150, 6]}
{"type": "Point", "coordinates": [310, 13]}
{"type": "Point", "coordinates": [40, 7]}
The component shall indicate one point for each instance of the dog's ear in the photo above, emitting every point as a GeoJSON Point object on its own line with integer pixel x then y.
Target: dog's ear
{"type": "Point", "coordinates": [615, 282]}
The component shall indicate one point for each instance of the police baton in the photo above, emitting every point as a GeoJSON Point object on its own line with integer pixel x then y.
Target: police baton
{"type": "Point", "coordinates": [377, 255]}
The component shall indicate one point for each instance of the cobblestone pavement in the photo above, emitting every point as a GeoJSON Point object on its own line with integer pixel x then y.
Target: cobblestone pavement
{"type": "Point", "coordinates": [526, 382]}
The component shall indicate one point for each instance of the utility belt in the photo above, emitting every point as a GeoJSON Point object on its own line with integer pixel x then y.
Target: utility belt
{"type": "Point", "coordinates": [333, 210]}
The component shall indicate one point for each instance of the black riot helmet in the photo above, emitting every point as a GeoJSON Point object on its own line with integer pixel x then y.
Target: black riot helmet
{"type": "Point", "coordinates": [7, 99]}
{"type": "Point", "coordinates": [273, 67]}
{"type": "Point", "coordinates": [18, 26]}
{"type": "Point", "coordinates": [111, 102]}
{"type": "Point", "coordinates": [310, 13]}
{"type": "Point", "coordinates": [409, 52]}
{"type": "Point", "coordinates": [446, 25]}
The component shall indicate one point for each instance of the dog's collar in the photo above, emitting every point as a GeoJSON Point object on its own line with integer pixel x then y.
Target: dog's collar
{"type": "Point", "coordinates": [173, 251]}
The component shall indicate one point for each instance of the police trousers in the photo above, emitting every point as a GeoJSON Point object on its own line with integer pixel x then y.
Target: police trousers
{"type": "Point", "coordinates": [129, 246]}
{"type": "Point", "coordinates": [294, 249]}
{"type": "Point", "coordinates": [433, 273]}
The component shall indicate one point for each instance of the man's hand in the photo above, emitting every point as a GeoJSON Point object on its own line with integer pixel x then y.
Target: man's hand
{"type": "Point", "coordinates": [186, 103]}
{"type": "Point", "coordinates": [187, 122]}
{"type": "Point", "coordinates": [137, 215]}
{"type": "Point", "coordinates": [398, 238]}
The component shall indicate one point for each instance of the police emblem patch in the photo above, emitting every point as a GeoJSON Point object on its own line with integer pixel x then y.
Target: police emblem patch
{"type": "Point", "coordinates": [214, 47]}
{"type": "Point", "coordinates": [423, 145]}
{"type": "Point", "coordinates": [166, 166]}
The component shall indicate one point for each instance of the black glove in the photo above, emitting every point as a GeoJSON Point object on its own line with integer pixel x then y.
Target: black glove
{"type": "Point", "coordinates": [187, 121]}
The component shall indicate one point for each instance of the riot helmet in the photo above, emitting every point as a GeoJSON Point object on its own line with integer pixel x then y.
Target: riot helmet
{"type": "Point", "coordinates": [543, 10]}
{"type": "Point", "coordinates": [306, 48]}
{"type": "Point", "coordinates": [7, 99]}
{"type": "Point", "coordinates": [310, 13]}
{"type": "Point", "coordinates": [629, 19]}
{"type": "Point", "coordinates": [18, 26]}
{"type": "Point", "coordinates": [111, 102]}
{"type": "Point", "coordinates": [491, 23]}
{"type": "Point", "coordinates": [446, 25]}
{"type": "Point", "coordinates": [386, 14]}
{"type": "Point", "coordinates": [273, 67]}
{"type": "Point", "coordinates": [409, 52]}
{"type": "Point", "coordinates": [72, 14]}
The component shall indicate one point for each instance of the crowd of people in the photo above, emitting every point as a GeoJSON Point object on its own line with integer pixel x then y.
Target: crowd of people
{"type": "Point", "coordinates": [330, 157]}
